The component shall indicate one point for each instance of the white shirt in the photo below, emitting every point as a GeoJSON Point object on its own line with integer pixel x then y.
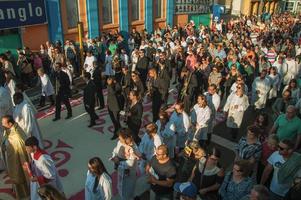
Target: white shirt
{"type": "Point", "coordinates": [89, 61]}
{"type": "Point", "coordinates": [202, 115]}
{"type": "Point", "coordinates": [47, 88]}
{"type": "Point", "coordinates": [149, 145]}
{"type": "Point", "coordinates": [103, 190]}
{"type": "Point", "coordinates": [276, 160]}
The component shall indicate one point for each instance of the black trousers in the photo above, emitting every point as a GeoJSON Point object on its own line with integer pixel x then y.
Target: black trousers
{"type": "Point", "coordinates": [114, 115]}
{"type": "Point", "coordinates": [43, 99]}
{"type": "Point", "coordinates": [91, 111]}
{"type": "Point", "coordinates": [99, 95]}
{"type": "Point", "coordinates": [156, 105]}
{"type": "Point", "coordinates": [58, 101]}
{"type": "Point", "coordinates": [135, 128]}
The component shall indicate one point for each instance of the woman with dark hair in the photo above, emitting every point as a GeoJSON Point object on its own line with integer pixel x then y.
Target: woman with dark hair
{"type": "Point", "coordinates": [237, 183]}
{"type": "Point", "coordinates": [125, 156]}
{"type": "Point", "coordinates": [98, 182]}
{"type": "Point", "coordinates": [48, 192]}
{"type": "Point", "coordinates": [207, 175]}
{"type": "Point", "coordinates": [295, 90]}
{"type": "Point", "coordinates": [136, 84]}
{"type": "Point", "coordinates": [262, 122]}
{"type": "Point", "coordinates": [134, 115]}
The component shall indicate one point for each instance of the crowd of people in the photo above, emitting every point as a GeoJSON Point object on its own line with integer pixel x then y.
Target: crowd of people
{"type": "Point", "coordinates": [227, 67]}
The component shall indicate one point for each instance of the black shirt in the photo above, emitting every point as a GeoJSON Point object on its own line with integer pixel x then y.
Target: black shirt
{"type": "Point", "coordinates": [164, 171]}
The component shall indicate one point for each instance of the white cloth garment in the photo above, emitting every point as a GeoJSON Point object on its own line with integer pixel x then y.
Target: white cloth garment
{"type": "Point", "coordinates": [47, 87]}
{"type": "Point", "coordinates": [11, 87]}
{"type": "Point", "coordinates": [89, 63]}
{"type": "Point", "coordinates": [103, 191]}
{"type": "Point", "coordinates": [149, 145]}
{"type": "Point", "coordinates": [43, 167]}
{"type": "Point", "coordinates": [275, 84]}
{"type": "Point", "coordinates": [182, 124]}
{"type": "Point", "coordinates": [202, 120]}
{"type": "Point", "coordinates": [167, 133]}
{"type": "Point", "coordinates": [24, 116]}
{"type": "Point", "coordinates": [235, 106]}
{"type": "Point", "coordinates": [263, 87]}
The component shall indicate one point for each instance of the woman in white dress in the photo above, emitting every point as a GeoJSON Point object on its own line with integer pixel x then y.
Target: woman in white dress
{"type": "Point", "coordinates": [125, 156]}
{"type": "Point", "coordinates": [98, 183]}
{"type": "Point", "coordinates": [236, 105]}
{"type": "Point", "coordinates": [108, 64]}
{"type": "Point", "coordinates": [10, 84]}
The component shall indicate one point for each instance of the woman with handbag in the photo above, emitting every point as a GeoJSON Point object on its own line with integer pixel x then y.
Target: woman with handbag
{"type": "Point", "coordinates": [208, 176]}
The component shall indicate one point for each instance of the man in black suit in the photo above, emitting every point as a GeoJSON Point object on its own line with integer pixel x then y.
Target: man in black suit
{"type": "Point", "coordinates": [125, 86]}
{"type": "Point", "coordinates": [63, 92]}
{"type": "Point", "coordinates": [164, 79]}
{"type": "Point", "coordinates": [89, 98]}
{"type": "Point", "coordinates": [96, 77]}
{"type": "Point", "coordinates": [113, 102]}
{"type": "Point", "coordinates": [142, 66]}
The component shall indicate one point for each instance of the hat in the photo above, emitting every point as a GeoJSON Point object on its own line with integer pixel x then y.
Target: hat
{"type": "Point", "coordinates": [188, 189]}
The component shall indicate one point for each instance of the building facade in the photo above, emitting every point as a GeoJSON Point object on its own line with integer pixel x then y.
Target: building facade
{"type": "Point", "coordinates": [100, 16]}
{"type": "Point", "coordinates": [254, 7]}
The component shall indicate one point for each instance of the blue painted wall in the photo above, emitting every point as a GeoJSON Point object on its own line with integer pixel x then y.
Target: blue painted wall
{"type": "Point", "coordinates": [149, 16]}
{"type": "Point", "coordinates": [170, 12]}
{"type": "Point", "coordinates": [123, 17]}
{"type": "Point", "coordinates": [93, 18]}
{"type": "Point", "coordinates": [55, 26]}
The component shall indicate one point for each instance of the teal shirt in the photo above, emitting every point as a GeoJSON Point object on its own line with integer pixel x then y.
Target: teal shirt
{"type": "Point", "coordinates": [287, 129]}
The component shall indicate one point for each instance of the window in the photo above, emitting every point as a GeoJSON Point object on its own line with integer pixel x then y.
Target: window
{"type": "Point", "coordinates": [72, 13]}
{"type": "Point", "coordinates": [135, 10]}
{"type": "Point", "coordinates": [107, 11]}
{"type": "Point", "coordinates": [158, 9]}
{"type": "Point", "coordinates": [289, 6]}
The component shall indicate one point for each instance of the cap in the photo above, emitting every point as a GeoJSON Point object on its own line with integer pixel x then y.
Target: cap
{"type": "Point", "coordinates": [187, 188]}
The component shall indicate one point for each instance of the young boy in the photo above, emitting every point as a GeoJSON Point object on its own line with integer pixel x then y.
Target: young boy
{"type": "Point", "coordinates": [41, 170]}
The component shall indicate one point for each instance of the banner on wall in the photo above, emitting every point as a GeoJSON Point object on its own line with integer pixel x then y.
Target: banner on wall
{"type": "Point", "coordinates": [15, 14]}
{"type": "Point", "coordinates": [192, 6]}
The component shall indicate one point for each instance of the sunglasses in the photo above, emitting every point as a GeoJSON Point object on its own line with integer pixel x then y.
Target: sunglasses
{"type": "Point", "coordinates": [281, 148]}
{"type": "Point", "coordinates": [238, 170]}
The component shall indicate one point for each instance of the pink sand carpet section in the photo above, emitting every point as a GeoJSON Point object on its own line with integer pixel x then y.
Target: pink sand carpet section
{"type": "Point", "coordinates": [65, 147]}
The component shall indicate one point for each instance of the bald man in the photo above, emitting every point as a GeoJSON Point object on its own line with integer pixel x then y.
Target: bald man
{"type": "Point", "coordinates": [288, 126]}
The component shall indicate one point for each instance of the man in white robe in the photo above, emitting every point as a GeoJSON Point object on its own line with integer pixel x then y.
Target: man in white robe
{"type": "Point", "coordinates": [182, 122]}
{"type": "Point", "coordinates": [236, 104]}
{"type": "Point", "coordinates": [260, 90]}
{"type": "Point", "coordinates": [24, 116]}
{"type": "Point", "coordinates": [41, 170]}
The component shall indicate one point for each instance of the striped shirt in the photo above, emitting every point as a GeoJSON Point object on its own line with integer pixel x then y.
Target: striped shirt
{"type": "Point", "coordinates": [247, 151]}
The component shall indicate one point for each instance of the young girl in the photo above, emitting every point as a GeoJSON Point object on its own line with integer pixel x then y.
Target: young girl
{"type": "Point", "coordinates": [125, 156]}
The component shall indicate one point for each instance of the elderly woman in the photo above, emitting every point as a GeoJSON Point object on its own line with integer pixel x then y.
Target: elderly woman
{"type": "Point", "coordinates": [237, 183]}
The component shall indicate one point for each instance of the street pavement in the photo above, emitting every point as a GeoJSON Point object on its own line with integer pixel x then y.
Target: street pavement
{"type": "Point", "coordinates": [71, 144]}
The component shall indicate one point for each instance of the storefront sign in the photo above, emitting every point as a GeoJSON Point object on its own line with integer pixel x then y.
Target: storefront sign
{"type": "Point", "coordinates": [14, 14]}
{"type": "Point", "coordinates": [192, 6]}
